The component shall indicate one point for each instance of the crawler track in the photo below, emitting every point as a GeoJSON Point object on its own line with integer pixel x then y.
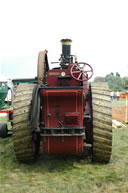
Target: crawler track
{"type": "Point", "coordinates": [22, 135]}
{"type": "Point", "coordinates": [102, 122]}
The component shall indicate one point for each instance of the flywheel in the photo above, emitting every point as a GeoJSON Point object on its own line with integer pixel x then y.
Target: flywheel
{"type": "Point", "coordinates": [41, 66]}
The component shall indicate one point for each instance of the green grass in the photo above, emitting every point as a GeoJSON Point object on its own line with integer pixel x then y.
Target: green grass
{"type": "Point", "coordinates": [119, 104]}
{"type": "Point", "coordinates": [65, 174]}
{"type": "Point", "coordinates": [72, 174]}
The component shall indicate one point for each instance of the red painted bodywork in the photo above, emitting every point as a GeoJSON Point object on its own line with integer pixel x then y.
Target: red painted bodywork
{"type": "Point", "coordinates": [68, 103]}
{"type": "Point", "coordinates": [62, 106]}
{"type": "Point", "coordinates": [59, 145]}
{"type": "Point", "coordinates": [53, 78]}
{"type": "Point", "coordinates": [7, 111]}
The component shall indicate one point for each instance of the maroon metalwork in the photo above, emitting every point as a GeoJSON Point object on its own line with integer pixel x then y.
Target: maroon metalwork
{"type": "Point", "coordinates": [54, 78]}
{"type": "Point", "coordinates": [62, 107]}
{"type": "Point", "coordinates": [62, 145]}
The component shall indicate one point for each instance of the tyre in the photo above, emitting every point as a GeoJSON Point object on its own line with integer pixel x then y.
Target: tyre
{"type": "Point", "coordinates": [102, 123]}
{"type": "Point", "coordinates": [26, 143]}
{"type": "Point", "coordinates": [3, 130]}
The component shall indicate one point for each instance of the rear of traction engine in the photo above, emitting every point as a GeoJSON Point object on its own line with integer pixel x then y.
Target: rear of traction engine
{"type": "Point", "coordinates": [67, 122]}
{"type": "Point", "coordinates": [62, 118]}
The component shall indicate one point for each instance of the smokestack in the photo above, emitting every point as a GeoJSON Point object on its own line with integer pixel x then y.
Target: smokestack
{"type": "Point", "coordinates": [66, 47]}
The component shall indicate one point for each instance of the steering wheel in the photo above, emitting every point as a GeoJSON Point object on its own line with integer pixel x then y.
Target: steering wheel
{"type": "Point", "coordinates": [81, 71]}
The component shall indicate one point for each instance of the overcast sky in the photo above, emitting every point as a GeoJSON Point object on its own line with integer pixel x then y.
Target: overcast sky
{"type": "Point", "coordinates": [98, 28]}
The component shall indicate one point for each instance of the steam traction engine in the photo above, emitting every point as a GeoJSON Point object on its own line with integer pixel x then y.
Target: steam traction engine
{"type": "Point", "coordinates": [62, 111]}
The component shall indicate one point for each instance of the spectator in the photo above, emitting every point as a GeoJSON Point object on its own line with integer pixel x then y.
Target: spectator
{"type": "Point", "coordinates": [118, 95]}
{"type": "Point", "coordinates": [112, 95]}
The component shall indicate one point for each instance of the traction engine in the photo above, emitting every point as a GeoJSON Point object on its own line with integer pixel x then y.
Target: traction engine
{"type": "Point", "coordinates": [62, 111]}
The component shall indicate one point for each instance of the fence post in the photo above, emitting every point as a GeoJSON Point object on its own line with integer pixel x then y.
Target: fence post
{"type": "Point", "coordinates": [126, 110]}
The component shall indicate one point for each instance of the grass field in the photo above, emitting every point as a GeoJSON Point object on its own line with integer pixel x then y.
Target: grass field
{"type": "Point", "coordinates": [119, 104]}
{"type": "Point", "coordinates": [65, 174]}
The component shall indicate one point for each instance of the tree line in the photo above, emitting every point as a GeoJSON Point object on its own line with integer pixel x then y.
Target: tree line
{"type": "Point", "coordinates": [115, 81]}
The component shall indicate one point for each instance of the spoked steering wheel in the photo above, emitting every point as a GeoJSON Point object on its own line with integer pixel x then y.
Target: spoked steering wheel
{"type": "Point", "coordinates": [81, 71]}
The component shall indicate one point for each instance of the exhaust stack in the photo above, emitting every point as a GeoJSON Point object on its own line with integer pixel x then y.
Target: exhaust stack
{"type": "Point", "coordinates": [66, 48]}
